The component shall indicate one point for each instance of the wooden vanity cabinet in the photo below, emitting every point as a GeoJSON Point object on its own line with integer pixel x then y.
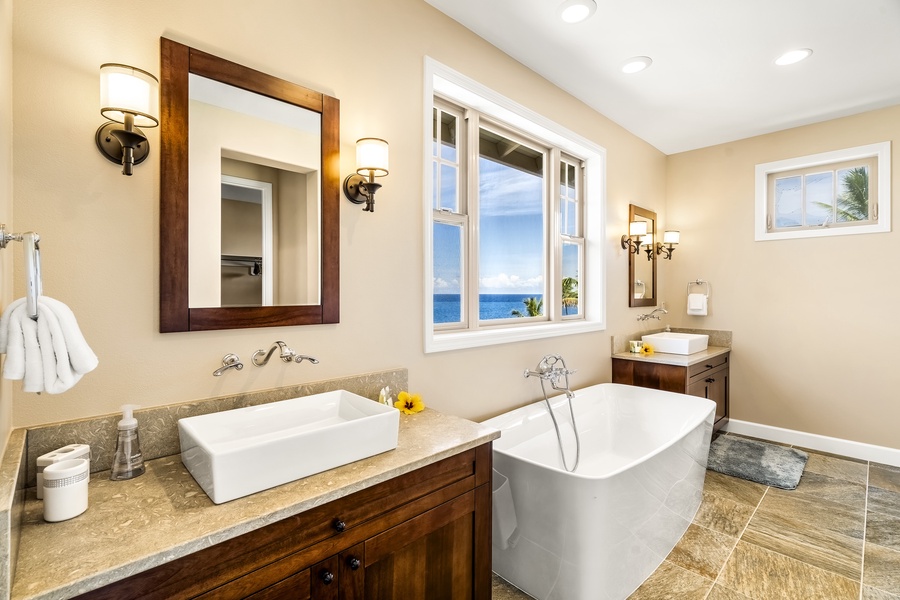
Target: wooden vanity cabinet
{"type": "Point", "coordinates": [707, 379]}
{"type": "Point", "coordinates": [422, 535]}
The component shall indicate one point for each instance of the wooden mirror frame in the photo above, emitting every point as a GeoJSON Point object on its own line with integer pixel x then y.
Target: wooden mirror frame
{"type": "Point", "coordinates": [177, 61]}
{"type": "Point", "coordinates": [637, 211]}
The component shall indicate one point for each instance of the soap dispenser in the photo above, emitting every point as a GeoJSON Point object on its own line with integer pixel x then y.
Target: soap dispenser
{"type": "Point", "coordinates": [128, 461]}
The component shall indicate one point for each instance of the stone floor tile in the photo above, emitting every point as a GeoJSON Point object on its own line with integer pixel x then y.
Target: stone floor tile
{"type": "Point", "coordinates": [806, 510]}
{"type": "Point", "coordinates": [723, 515]}
{"type": "Point", "coordinates": [671, 582]}
{"type": "Point", "coordinates": [884, 501]}
{"type": "Point", "coordinates": [881, 568]}
{"type": "Point", "coordinates": [733, 488]}
{"type": "Point", "coordinates": [839, 468]}
{"type": "Point", "coordinates": [830, 488]}
{"type": "Point", "coordinates": [504, 590]}
{"type": "Point", "coordinates": [806, 542]}
{"type": "Point", "coordinates": [720, 592]}
{"type": "Point", "coordinates": [885, 477]}
{"type": "Point", "coordinates": [883, 529]}
{"type": "Point", "coordinates": [870, 593]}
{"type": "Point", "coordinates": [702, 551]}
{"type": "Point", "coordinates": [764, 575]}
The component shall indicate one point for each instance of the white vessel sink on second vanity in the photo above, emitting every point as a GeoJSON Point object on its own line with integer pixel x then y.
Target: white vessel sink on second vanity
{"type": "Point", "coordinates": [670, 342]}
{"type": "Point", "coordinates": [238, 452]}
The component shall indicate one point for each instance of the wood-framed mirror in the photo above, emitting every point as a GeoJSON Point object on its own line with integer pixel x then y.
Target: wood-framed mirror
{"type": "Point", "coordinates": [193, 298]}
{"type": "Point", "coordinates": [642, 265]}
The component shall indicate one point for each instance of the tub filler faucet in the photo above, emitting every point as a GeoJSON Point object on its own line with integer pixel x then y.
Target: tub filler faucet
{"type": "Point", "coordinates": [553, 368]}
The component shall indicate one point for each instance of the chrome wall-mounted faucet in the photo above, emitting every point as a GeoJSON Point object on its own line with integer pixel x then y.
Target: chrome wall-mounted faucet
{"type": "Point", "coordinates": [229, 361]}
{"type": "Point", "coordinates": [287, 355]}
{"type": "Point", "coordinates": [652, 314]}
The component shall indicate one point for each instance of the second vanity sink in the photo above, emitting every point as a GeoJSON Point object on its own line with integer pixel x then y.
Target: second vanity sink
{"type": "Point", "coordinates": [238, 452]}
{"type": "Point", "coordinates": [670, 342]}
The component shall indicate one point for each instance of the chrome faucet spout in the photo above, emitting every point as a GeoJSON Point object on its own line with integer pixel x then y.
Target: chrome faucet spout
{"type": "Point", "coordinates": [652, 314]}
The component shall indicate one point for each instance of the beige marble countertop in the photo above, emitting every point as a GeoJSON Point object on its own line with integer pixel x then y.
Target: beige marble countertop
{"type": "Point", "coordinates": [131, 526]}
{"type": "Point", "coordinates": [681, 360]}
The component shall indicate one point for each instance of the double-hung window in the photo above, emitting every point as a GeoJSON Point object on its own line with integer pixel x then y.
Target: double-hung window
{"type": "Point", "coordinates": [507, 256]}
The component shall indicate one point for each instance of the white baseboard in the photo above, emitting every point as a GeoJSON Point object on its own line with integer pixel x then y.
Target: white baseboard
{"type": "Point", "coordinates": [878, 454]}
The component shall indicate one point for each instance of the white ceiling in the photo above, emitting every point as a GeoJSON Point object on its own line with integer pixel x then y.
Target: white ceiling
{"type": "Point", "coordinates": [713, 77]}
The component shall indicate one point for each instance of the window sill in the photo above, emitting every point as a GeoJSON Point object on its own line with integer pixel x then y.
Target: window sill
{"type": "Point", "coordinates": [459, 340]}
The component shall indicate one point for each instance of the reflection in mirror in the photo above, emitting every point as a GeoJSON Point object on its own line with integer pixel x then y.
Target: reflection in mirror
{"type": "Point", "coordinates": [236, 133]}
{"type": "Point", "coordinates": [249, 184]}
{"type": "Point", "coordinates": [642, 265]}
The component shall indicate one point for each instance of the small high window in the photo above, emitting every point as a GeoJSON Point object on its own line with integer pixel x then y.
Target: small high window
{"type": "Point", "coordinates": [834, 193]}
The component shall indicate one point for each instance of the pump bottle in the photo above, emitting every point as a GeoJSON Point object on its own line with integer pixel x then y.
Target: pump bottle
{"type": "Point", "coordinates": [128, 461]}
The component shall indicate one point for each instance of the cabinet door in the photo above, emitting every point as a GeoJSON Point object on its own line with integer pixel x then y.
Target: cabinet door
{"type": "Point", "coordinates": [352, 574]}
{"type": "Point", "coordinates": [325, 584]}
{"type": "Point", "coordinates": [714, 386]}
{"type": "Point", "coordinates": [429, 557]}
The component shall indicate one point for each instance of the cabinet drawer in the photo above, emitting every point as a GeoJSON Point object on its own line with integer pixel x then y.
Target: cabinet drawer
{"type": "Point", "coordinates": [702, 367]}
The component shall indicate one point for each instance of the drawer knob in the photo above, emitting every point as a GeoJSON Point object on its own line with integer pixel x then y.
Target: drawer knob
{"type": "Point", "coordinates": [354, 563]}
{"type": "Point", "coordinates": [339, 525]}
{"type": "Point", "coordinates": [326, 576]}
{"type": "Point", "coordinates": [709, 366]}
{"type": "Point", "coordinates": [710, 380]}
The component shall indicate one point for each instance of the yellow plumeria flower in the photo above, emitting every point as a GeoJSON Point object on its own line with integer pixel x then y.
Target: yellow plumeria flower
{"type": "Point", "coordinates": [409, 403]}
{"type": "Point", "coordinates": [647, 349]}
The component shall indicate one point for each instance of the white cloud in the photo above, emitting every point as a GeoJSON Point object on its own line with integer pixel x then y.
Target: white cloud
{"type": "Point", "coordinates": [511, 282]}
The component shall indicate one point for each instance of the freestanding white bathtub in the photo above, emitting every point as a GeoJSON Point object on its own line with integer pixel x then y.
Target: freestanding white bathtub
{"type": "Point", "coordinates": [597, 533]}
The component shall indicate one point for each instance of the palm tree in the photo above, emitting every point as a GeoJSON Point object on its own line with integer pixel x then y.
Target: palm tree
{"type": "Point", "coordinates": [533, 307]}
{"type": "Point", "coordinates": [569, 293]}
{"type": "Point", "coordinates": [853, 204]}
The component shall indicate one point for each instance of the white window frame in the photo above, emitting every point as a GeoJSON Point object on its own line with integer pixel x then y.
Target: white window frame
{"type": "Point", "coordinates": [880, 151]}
{"type": "Point", "coordinates": [455, 87]}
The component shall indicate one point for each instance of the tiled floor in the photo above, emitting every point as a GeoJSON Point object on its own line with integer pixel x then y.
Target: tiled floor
{"type": "Point", "coordinates": [836, 537]}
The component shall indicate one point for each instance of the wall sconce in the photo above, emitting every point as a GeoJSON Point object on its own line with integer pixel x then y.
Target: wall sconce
{"type": "Point", "coordinates": [128, 96]}
{"type": "Point", "coordinates": [670, 239]}
{"type": "Point", "coordinates": [371, 161]}
{"type": "Point", "coordinates": [647, 245]}
{"type": "Point", "coordinates": [636, 232]}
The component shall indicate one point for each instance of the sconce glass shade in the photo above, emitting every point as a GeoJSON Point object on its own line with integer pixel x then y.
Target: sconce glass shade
{"type": "Point", "coordinates": [646, 240]}
{"type": "Point", "coordinates": [125, 89]}
{"type": "Point", "coordinates": [671, 237]}
{"type": "Point", "coordinates": [372, 157]}
{"type": "Point", "coordinates": [638, 228]}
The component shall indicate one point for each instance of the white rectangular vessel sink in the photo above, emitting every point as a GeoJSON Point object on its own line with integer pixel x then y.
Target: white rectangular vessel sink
{"type": "Point", "coordinates": [670, 342]}
{"type": "Point", "coordinates": [238, 452]}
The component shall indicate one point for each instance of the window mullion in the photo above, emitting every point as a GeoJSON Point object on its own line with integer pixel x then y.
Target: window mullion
{"type": "Point", "coordinates": [553, 287]}
{"type": "Point", "coordinates": [473, 274]}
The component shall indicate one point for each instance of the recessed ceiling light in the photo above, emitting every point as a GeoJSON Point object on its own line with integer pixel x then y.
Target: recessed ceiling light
{"type": "Point", "coordinates": [576, 11]}
{"type": "Point", "coordinates": [793, 56]}
{"type": "Point", "coordinates": [636, 64]}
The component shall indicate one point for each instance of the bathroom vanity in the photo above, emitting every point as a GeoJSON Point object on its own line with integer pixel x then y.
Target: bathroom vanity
{"type": "Point", "coordinates": [703, 374]}
{"type": "Point", "coordinates": [410, 523]}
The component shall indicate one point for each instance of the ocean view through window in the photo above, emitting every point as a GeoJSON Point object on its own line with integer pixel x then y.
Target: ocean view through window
{"type": "Point", "coordinates": [508, 249]}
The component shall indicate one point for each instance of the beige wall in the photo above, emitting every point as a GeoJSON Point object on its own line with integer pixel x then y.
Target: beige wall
{"type": "Point", "coordinates": [6, 191]}
{"type": "Point", "coordinates": [99, 228]}
{"type": "Point", "coordinates": [814, 320]}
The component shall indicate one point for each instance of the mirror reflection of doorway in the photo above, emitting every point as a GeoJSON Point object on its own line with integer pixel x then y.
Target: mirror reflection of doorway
{"type": "Point", "coordinates": [247, 264]}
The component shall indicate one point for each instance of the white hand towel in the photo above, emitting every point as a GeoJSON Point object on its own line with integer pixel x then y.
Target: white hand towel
{"type": "Point", "coordinates": [81, 356]}
{"type": "Point", "coordinates": [49, 354]}
{"type": "Point", "coordinates": [4, 323]}
{"type": "Point", "coordinates": [697, 304]}
{"type": "Point", "coordinates": [57, 369]}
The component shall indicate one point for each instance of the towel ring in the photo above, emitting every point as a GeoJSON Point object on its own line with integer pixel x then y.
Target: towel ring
{"type": "Point", "coordinates": [700, 282]}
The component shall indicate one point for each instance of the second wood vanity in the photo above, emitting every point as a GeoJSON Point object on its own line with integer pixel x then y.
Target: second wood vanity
{"type": "Point", "coordinates": [703, 374]}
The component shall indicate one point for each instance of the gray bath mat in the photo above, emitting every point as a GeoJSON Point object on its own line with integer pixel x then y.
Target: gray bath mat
{"type": "Point", "coordinates": [769, 464]}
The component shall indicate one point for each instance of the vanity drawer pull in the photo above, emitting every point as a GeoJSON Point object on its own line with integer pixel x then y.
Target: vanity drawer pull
{"type": "Point", "coordinates": [326, 576]}
{"type": "Point", "coordinates": [354, 563]}
{"type": "Point", "coordinates": [339, 525]}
